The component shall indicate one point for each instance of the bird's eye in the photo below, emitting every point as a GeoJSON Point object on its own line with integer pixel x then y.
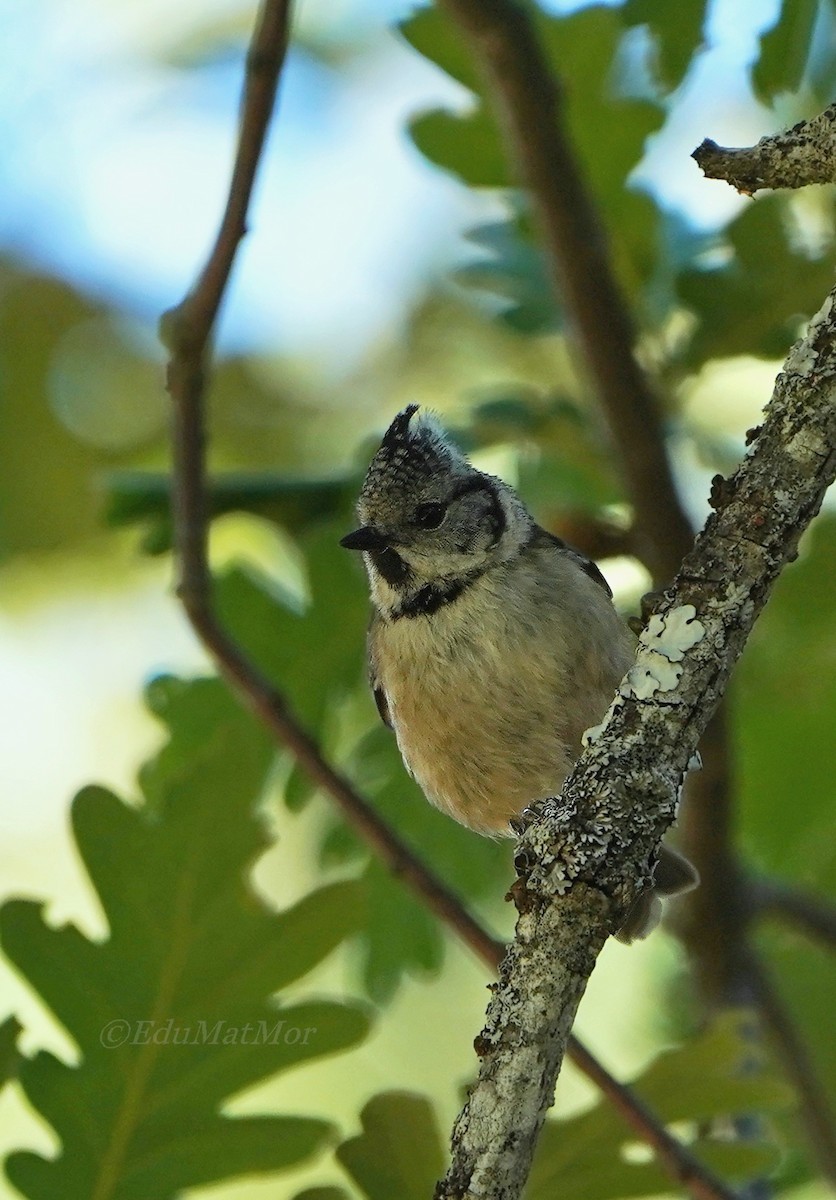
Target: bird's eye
{"type": "Point", "coordinates": [430, 515]}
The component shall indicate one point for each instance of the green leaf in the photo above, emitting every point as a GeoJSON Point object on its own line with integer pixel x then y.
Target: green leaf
{"type": "Point", "coordinates": [316, 656]}
{"type": "Point", "coordinates": [784, 50]}
{"type": "Point", "coordinates": [9, 1053]}
{"type": "Point", "coordinates": [785, 713]}
{"type": "Point", "coordinates": [753, 303]}
{"type": "Point", "coordinates": [399, 1153]}
{"type": "Point", "coordinates": [715, 1075]}
{"type": "Point", "coordinates": [203, 1153]}
{"type": "Point", "coordinates": [434, 37]}
{"type": "Point", "coordinates": [467, 145]}
{"type": "Point", "coordinates": [676, 29]}
{"type": "Point", "coordinates": [607, 126]}
{"type": "Point", "coordinates": [176, 1010]}
{"type": "Point", "coordinates": [399, 936]}
{"type": "Point", "coordinates": [144, 497]}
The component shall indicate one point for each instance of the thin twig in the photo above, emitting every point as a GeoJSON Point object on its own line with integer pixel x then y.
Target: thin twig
{"type": "Point", "coordinates": [713, 922]}
{"type": "Point", "coordinates": [817, 1115]}
{"type": "Point", "coordinates": [793, 158]}
{"type": "Point", "coordinates": [811, 914]}
{"type": "Point", "coordinates": [187, 331]}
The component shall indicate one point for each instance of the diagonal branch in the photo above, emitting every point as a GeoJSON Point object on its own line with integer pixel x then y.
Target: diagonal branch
{"type": "Point", "coordinates": [529, 105]}
{"type": "Point", "coordinates": [187, 331]}
{"type": "Point", "coordinates": [528, 99]}
{"type": "Point", "coordinates": [791, 159]}
{"type": "Point", "coordinates": [584, 858]}
{"type": "Point", "coordinates": [794, 906]}
{"type": "Point", "coordinates": [814, 1106]}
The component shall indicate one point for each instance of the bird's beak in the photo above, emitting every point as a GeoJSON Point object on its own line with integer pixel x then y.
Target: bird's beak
{"type": "Point", "coordinates": [366, 538]}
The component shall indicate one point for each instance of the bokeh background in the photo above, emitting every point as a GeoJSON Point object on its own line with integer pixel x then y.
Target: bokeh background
{"type": "Point", "coordinates": [373, 277]}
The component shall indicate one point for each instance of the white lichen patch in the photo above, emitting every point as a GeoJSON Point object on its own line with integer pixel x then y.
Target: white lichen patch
{"type": "Point", "coordinates": [662, 646]}
{"type": "Point", "coordinates": [671, 634]}
{"type": "Point", "coordinates": [652, 674]}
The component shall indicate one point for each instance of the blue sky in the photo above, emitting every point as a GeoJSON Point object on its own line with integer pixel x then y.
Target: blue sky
{"type": "Point", "coordinates": [114, 162]}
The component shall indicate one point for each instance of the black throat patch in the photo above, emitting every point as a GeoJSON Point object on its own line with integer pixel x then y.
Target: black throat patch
{"type": "Point", "coordinates": [433, 596]}
{"type": "Point", "coordinates": [391, 567]}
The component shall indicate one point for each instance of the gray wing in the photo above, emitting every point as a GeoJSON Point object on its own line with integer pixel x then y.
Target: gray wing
{"type": "Point", "coordinates": [378, 692]}
{"type": "Point", "coordinates": [586, 564]}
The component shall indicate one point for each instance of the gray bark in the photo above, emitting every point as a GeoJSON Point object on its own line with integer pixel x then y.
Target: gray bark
{"type": "Point", "coordinates": [791, 159]}
{"type": "Point", "coordinates": [584, 859]}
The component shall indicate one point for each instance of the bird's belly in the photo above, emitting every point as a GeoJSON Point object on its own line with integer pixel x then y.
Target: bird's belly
{"type": "Point", "coordinates": [480, 745]}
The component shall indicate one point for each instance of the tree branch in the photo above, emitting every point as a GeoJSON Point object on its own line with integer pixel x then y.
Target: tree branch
{"type": "Point", "coordinates": [584, 858]}
{"type": "Point", "coordinates": [187, 331]}
{"type": "Point", "coordinates": [815, 1110]}
{"type": "Point", "coordinates": [528, 100]}
{"type": "Point", "coordinates": [811, 914]}
{"type": "Point", "coordinates": [529, 106]}
{"type": "Point", "coordinates": [712, 924]}
{"type": "Point", "coordinates": [792, 159]}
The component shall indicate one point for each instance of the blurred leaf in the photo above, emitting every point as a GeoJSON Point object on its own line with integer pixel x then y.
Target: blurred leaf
{"type": "Point", "coordinates": [607, 126]}
{"type": "Point", "coordinates": [804, 976]}
{"type": "Point", "coordinates": [512, 268]}
{"type": "Point", "coordinates": [753, 304]}
{"type": "Point", "coordinates": [785, 714]}
{"type": "Point", "coordinates": [784, 50]}
{"type": "Point", "coordinates": [399, 1153]}
{"type": "Point", "coordinates": [135, 497]}
{"type": "Point", "coordinates": [712, 1076]}
{"type": "Point", "coordinates": [9, 1053]}
{"type": "Point", "coordinates": [586, 1157]}
{"type": "Point", "coordinates": [47, 500]}
{"type": "Point", "coordinates": [466, 144]}
{"type": "Point", "coordinates": [820, 74]}
{"type": "Point", "coordinates": [676, 29]}
{"type": "Point", "coordinates": [174, 1012]}
{"type": "Point", "coordinates": [315, 656]}
{"type": "Point", "coordinates": [400, 935]}
{"type": "Point", "coordinates": [434, 37]}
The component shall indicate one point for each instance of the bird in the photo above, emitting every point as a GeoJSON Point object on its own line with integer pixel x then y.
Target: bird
{"type": "Point", "coordinates": [493, 644]}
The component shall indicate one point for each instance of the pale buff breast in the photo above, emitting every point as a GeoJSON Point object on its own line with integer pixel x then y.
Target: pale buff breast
{"type": "Point", "coordinates": [489, 713]}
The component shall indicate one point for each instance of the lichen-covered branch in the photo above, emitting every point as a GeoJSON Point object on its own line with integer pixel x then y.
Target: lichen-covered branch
{"type": "Point", "coordinates": [792, 159]}
{"type": "Point", "coordinates": [582, 860]}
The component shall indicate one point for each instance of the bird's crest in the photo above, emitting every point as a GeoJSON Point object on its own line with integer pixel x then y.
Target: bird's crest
{"type": "Point", "coordinates": [412, 450]}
